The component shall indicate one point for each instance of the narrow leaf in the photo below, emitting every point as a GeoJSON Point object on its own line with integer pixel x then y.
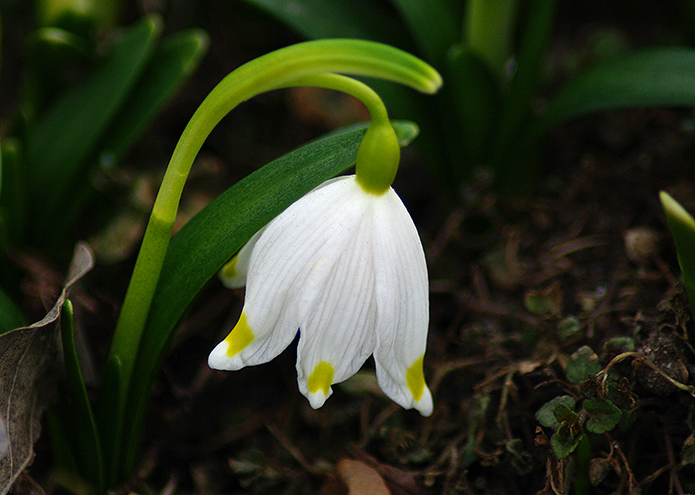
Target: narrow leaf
{"type": "Point", "coordinates": [433, 25]}
{"type": "Point", "coordinates": [476, 96]}
{"type": "Point", "coordinates": [67, 133]}
{"type": "Point", "coordinates": [652, 77]}
{"type": "Point", "coordinates": [171, 64]}
{"type": "Point", "coordinates": [316, 19]}
{"type": "Point", "coordinates": [682, 226]}
{"type": "Point", "coordinates": [523, 86]}
{"type": "Point", "coordinates": [85, 440]}
{"type": "Point", "coordinates": [10, 315]}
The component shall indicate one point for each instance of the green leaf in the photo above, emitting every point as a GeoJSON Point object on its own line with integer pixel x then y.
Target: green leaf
{"type": "Point", "coordinates": [477, 101]}
{"type": "Point", "coordinates": [59, 144]}
{"type": "Point", "coordinates": [85, 440]}
{"type": "Point", "coordinates": [53, 55]}
{"type": "Point", "coordinates": [568, 327]}
{"type": "Point", "coordinates": [434, 26]}
{"type": "Point", "coordinates": [522, 89]}
{"type": "Point", "coordinates": [316, 19]}
{"type": "Point", "coordinates": [213, 236]}
{"type": "Point", "coordinates": [582, 364]}
{"type": "Point", "coordinates": [603, 415]}
{"type": "Point", "coordinates": [682, 226]}
{"type": "Point", "coordinates": [10, 315]}
{"type": "Point", "coordinates": [172, 62]}
{"type": "Point", "coordinates": [12, 193]}
{"type": "Point", "coordinates": [652, 77]}
{"type": "Point", "coordinates": [688, 450]}
{"type": "Point", "coordinates": [564, 445]}
{"type": "Point", "coordinates": [546, 414]}
{"type": "Point", "coordinates": [174, 59]}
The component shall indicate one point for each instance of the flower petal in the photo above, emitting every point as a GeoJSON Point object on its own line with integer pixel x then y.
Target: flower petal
{"type": "Point", "coordinates": [233, 274]}
{"type": "Point", "coordinates": [280, 263]}
{"type": "Point", "coordinates": [338, 328]}
{"type": "Point", "coordinates": [402, 299]}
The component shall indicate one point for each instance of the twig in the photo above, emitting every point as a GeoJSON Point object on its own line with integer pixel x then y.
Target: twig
{"type": "Point", "coordinates": [643, 360]}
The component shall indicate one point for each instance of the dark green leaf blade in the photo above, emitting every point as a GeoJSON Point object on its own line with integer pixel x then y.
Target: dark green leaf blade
{"type": "Point", "coordinates": [652, 77]}
{"type": "Point", "coordinates": [12, 193]}
{"type": "Point", "coordinates": [476, 99]}
{"type": "Point", "coordinates": [522, 89]}
{"type": "Point", "coordinates": [173, 61]}
{"type": "Point", "coordinates": [434, 25]}
{"type": "Point", "coordinates": [61, 141]}
{"type": "Point", "coordinates": [85, 439]}
{"type": "Point", "coordinates": [315, 19]}
{"type": "Point", "coordinates": [10, 315]}
{"type": "Point", "coordinates": [603, 415]}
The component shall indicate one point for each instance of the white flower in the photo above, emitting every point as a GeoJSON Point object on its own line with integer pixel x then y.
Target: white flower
{"type": "Point", "coordinates": [346, 269]}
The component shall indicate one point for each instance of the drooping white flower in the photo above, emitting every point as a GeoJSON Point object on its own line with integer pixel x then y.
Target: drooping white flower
{"type": "Point", "coordinates": [345, 268]}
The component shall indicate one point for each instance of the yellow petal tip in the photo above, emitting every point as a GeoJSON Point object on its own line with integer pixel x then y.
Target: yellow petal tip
{"type": "Point", "coordinates": [321, 378]}
{"type": "Point", "coordinates": [229, 270]}
{"type": "Point", "coordinates": [415, 379]}
{"type": "Point", "coordinates": [240, 336]}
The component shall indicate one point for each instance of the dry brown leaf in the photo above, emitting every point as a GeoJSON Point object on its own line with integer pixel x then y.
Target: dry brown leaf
{"type": "Point", "coordinates": [28, 356]}
{"type": "Point", "coordinates": [360, 478]}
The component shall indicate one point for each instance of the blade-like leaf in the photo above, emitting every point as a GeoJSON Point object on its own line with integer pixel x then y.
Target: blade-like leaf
{"type": "Point", "coordinates": [171, 64]}
{"type": "Point", "coordinates": [434, 26]}
{"type": "Point", "coordinates": [52, 53]}
{"type": "Point", "coordinates": [316, 19]}
{"type": "Point", "coordinates": [213, 236]}
{"type": "Point", "coordinates": [476, 96]}
{"type": "Point", "coordinates": [62, 140]}
{"type": "Point", "coordinates": [682, 226]}
{"type": "Point", "coordinates": [524, 84]}
{"type": "Point", "coordinates": [653, 77]}
{"type": "Point", "coordinates": [12, 193]}
{"type": "Point", "coordinates": [85, 439]}
{"type": "Point", "coordinates": [10, 315]}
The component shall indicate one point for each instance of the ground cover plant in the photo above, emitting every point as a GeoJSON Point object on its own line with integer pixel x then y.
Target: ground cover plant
{"type": "Point", "coordinates": [559, 356]}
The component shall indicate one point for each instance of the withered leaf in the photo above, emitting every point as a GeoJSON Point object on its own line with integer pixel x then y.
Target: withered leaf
{"type": "Point", "coordinates": [28, 357]}
{"type": "Point", "coordinates": [360, 478]}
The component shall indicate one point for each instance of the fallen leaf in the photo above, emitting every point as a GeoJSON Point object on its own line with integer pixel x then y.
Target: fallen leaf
{"type": "Point", "coordinates": [28, 359]}
{"type": "Point", "coordinates": [360, 478]}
